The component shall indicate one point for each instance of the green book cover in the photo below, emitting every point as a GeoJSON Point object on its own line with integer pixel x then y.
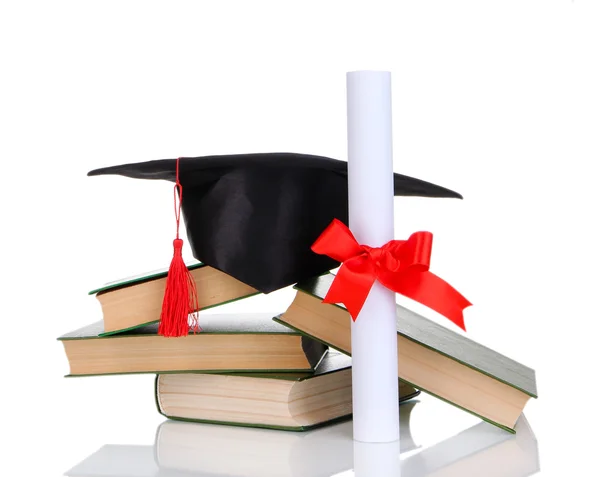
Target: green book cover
{"type": "Point", "coordinates": [140, 278]}
{"type": "Point", "coordinates": [251, 341]}
{"type": "Point", "coordinates": [333, 362]}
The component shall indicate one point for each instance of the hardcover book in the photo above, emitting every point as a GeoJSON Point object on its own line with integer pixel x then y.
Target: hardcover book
{"type": "Point", "coordinates": [137, 301]}
{"type": "Point", "coordinates": [289, 401]}
{"type": "Point", "coordinates": [431, 358]}
{"type": "Point", "coordinates": [242, 342]}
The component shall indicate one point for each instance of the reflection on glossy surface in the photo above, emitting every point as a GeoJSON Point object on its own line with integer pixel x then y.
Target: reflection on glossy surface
{"type": "Point", "coordinates": [480, 450]}
{"type": "Point", "coordinates": [380, 459]}
{"type": "Point", "coordinates": [182, 448]}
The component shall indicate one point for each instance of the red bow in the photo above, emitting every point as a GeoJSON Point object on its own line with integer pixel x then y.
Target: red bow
{"type": "Point", "coordinates": [400, 265]}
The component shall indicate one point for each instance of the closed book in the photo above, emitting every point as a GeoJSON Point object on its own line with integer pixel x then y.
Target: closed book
{"type": "Point", "coordinates": [137, 301]}
{"type": "Point", "coordinates": [431, 358]}
{"type": "Point", "coordinates": [229, 342]}
{"type": "Point", "coordinates": [289, 401]}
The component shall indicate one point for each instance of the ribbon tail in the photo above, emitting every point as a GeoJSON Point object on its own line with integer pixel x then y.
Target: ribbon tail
{"type": "Point", "coordinates": [432, 291]}
{"type": "Point", "coordinates": [351, 288]}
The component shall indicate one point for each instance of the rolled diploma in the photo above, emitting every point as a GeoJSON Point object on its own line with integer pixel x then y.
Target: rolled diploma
{"type": "Point", "coordinates": [371, 214]}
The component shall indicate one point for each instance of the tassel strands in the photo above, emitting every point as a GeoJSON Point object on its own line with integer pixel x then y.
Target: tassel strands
{"type": "Point", "coordinates": [181, 297]}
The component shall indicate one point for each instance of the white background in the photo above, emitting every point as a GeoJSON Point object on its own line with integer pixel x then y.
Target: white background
{"type": "Point", "coordinates": [497, 100]}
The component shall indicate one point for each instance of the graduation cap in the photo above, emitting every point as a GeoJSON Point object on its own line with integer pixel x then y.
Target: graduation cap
{"type": "Point", "coordinates": [255, 216]}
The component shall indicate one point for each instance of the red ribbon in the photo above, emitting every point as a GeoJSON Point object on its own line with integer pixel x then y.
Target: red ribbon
{"type": "Point", "coordinates": [400, 265]}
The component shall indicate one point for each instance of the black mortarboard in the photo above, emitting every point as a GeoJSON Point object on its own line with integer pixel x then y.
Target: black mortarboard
{"type": "Point", "coordinates": [255, 216]}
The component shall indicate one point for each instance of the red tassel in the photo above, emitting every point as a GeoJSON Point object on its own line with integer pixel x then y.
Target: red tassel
{"type": "Point", "coordinates": [181, 296]}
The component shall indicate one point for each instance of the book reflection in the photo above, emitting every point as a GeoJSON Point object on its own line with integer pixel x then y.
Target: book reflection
{"type": "Point", "coordinates": [187, 449]}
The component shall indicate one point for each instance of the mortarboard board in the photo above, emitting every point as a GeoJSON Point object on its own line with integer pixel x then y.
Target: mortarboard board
{"type": "Point", "coordinates": [255, 216]}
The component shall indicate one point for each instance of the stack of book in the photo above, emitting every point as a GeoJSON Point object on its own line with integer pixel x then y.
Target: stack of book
{"type": "Point", "coordinates": [252, 220]}
{"type": "Point", "coordinates": [291, 371]}
{"type": "Point", "coordinates": [240, 369]}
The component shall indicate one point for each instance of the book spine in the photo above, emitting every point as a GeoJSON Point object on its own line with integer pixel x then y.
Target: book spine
{"type": "Point", "coordinates": [157, 396]}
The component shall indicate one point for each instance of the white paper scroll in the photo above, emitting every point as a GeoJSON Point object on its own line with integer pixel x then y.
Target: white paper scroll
{"type": "Point", "coordinates": [371, 208]}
